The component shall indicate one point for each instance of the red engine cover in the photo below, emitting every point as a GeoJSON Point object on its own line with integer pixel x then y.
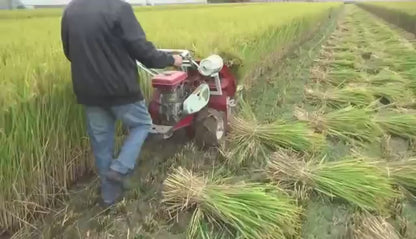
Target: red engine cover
{"type": "Point", "coordinates": [169, 79]}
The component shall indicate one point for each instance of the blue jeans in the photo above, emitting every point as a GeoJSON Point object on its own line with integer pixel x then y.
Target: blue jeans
{"type": "Point", "coordinates": [101, 122]}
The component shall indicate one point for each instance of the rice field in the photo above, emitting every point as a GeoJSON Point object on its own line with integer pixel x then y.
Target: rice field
{"type": "Point", "coordinates": [42, 132]}
{"type": "Point", "coordinates": [322, 145]}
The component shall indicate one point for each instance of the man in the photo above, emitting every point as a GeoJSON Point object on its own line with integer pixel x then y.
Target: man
{"type": "Point", "coordinates": [103, 39]}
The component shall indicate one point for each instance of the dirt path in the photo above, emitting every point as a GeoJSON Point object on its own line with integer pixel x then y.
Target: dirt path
{"type": "Point", "coordinates": [358, 35]}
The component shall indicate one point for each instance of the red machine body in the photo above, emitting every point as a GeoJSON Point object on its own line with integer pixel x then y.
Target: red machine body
{"type": "Point", "coordinates": [172, 87]}
{"type": "Point", "coordinates": [169, 79]}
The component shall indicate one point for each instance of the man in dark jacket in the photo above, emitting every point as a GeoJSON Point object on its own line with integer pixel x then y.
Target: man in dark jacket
{"type": "Point", "coordinates": [103, 39]}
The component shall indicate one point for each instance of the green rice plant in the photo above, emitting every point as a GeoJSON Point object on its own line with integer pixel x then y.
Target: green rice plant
{"type": "Point", "coordinates": [340, 97]}
{"type": "Point", "coordinates": [398, 123]}
{"type": "Point", "coordinates": [348, 123]}
{"type": "Point", "coordinates": [249, 210]}
{"type": "Point", "coordinates": [403, 173]}
{"type": "Point", "coordinates": [355, 180]}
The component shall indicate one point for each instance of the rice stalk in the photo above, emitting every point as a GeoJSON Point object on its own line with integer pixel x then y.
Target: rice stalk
{"type": "Point", "coordinates": [348, 123]}
{"type": "Point", "coordinates": [403, 173]}
{"type": "Point", "coordinates": [250, 210]}
{"type": "Point", "coordinates": [250, 140]}
{"type": "Point", "coordinates": [392, 92]}
{"type": "Point", "coordinates": [368, 226]}
{"type": "Point", "coordinates": [387, 76]}
{"type": "Point", "coordinates": [202, 228]}
{"type": "Point", "coordinates": [341, 77]}
{"type": "Point", "coordinates": [356, 181]}
{"type": "Point", "coordinates": [397, 123]}
{"type": "Point", "coordinates": [358, 96]}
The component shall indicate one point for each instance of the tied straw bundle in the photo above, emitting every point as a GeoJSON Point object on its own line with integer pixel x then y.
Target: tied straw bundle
{"type": "Point", "coordinates": [360, 94]}
{"type": "Point", "coordinates": [386, 76]}
{"type": "Point", "coordinates": [251, 140]}
{"type": "Point", "coordinates": [341, 77]}
{"type": "Point", "coordinates": [398, 123]}
{"type": "Point", "coordinates": [347, 123]}
{"type": "Point", "coordinates": [391, 92]}
{"type": "Point", "coordinates": [356, 181]}
{"type": "Point", "coordinates": [368, 226]}
{"type": "Point", "coordinates": [340, 97]}
{"type": "Point", "coordinates": [250, 211]}
{"type": "Point", "coordinates": [403, 173]}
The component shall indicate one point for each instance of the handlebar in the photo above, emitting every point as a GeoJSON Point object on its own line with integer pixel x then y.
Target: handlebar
{"type": "Point", "coordinates": [185, 54]}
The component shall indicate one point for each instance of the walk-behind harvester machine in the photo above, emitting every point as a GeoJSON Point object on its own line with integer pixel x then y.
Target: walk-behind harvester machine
{"type": "Point", "coordinates": [197, 97]}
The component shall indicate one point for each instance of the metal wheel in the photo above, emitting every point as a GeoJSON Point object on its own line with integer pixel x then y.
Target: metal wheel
{"type": "Point", "coordinates": [210, 128]}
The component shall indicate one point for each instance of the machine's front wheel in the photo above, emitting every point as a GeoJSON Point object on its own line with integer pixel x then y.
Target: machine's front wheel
{"type": "Point", "coordinates": [210, 128]}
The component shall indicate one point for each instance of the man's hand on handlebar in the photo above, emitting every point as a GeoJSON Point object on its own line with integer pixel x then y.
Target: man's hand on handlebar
{"type": "Point", "coordinates": [178, 60]}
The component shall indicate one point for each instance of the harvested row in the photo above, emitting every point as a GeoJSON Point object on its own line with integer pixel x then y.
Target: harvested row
{"type": "Point", "coordinates": [362, 80]}
{"type": "Point", "coordinates": [44, 148]}
{"type": "Point", "coordinates": [403, 14]}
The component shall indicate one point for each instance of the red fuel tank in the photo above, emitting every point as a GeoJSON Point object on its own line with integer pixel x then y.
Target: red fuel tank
{"type": "Point", "coordinates": [169, 79]}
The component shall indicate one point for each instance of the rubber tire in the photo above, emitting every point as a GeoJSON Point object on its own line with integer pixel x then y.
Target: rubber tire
{"type": "Point", "coordinates": [206, 128]}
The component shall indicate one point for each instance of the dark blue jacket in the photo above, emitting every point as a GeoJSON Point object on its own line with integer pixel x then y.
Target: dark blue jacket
{"type": "Point", "coordinates": [103, 39]}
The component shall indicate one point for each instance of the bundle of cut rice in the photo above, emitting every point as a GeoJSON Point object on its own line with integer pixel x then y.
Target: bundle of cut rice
{"type": "Point", "coordinates": [348, 123]}
{"type": "Point", "coordinates": [403, 173]}
{"type": "Point", "coordinates": [368, 226]}
{"type": "Point", "coordinates": [340, 97]}
{"type": "Point", "coordinates": [356, 181]}
{"type": "Point", "coordinates": [399, 123]}
{"type": "Point", "coordinates": [250, 140]}
{"type": "Point", "coordinates": [246, 210]}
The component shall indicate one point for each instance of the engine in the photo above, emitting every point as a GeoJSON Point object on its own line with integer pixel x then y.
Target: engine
{"type": "Point", "coordinates": [172, 93]}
